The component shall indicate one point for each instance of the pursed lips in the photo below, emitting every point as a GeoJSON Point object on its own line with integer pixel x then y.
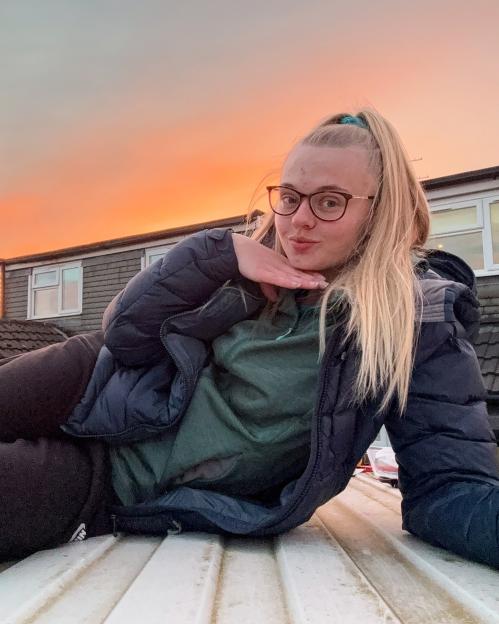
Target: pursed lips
{"type": "Point", "coordinates": [301, 240]}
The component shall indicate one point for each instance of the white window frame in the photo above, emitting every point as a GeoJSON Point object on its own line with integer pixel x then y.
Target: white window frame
{"type": "Point", "coordinates": [58, 268]}
{"type": "Point", "coordinates": [150, 251]}
{"type": "Point", "coordinates": [483, 226]}
{"type": "Point", "coordinates": [487, 237]}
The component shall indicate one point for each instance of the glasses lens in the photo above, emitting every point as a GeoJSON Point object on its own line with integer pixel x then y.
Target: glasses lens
{"type": "Point", "coordinates": [328, 205]}
{"type": "Point", "coordinates": [283, 200]}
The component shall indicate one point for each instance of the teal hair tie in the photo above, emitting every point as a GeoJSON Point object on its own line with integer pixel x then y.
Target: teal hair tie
{"type": "Point", "coordinates": [356, 121]}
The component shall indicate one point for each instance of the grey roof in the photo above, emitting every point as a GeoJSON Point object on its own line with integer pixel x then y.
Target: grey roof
{"type": "Point", "coordinates": [487, 349]}
{"type": "Point", "coordinates": [461, 178]}
{"type": "Point", "coordinates": [22, 336]}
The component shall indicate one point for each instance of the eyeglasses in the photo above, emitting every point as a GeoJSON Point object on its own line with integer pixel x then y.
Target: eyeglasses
{"type": "Point", "coordinates": [325, 205]}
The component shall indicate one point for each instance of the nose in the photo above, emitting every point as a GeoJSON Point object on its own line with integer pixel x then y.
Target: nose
{"type": "Point", "coordinates": [304, 215]}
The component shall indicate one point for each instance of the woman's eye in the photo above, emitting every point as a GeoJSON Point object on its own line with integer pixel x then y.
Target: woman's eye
{"type": "Point", "coordinates": [289, 200]}
{"type": "Point", "coordinates": [329, 202]}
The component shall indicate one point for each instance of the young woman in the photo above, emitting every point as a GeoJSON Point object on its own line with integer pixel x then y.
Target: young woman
{"type": "Point", "coordinates": [238, 380]}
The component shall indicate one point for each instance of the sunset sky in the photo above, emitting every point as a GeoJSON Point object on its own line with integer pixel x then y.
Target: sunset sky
{"type": "Point", "coordinates": [119, 117]}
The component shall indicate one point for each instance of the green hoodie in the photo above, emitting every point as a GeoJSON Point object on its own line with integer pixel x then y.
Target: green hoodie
{"type": "Point", "coordinates": [247, 427]}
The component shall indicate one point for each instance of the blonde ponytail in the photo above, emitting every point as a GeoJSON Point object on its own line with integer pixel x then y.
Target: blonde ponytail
{"type": "Point", "coordinates": [377, 284]}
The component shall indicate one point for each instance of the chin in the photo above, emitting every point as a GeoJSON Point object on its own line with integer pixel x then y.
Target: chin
{"type": "Point", "coordinates": [307, 264]}
{"type": "Point", "coordinates": [311, 264]}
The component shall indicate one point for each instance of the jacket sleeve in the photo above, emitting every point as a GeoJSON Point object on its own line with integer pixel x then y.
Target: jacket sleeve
{"type": "Point", "coordinates": [183, 279]}
{"type": "Point", "coordinates": [447, 452]}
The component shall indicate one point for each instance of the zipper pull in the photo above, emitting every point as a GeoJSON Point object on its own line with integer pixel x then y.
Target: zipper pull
{"type": "Point", "coordinates": [285, 334]}
{"type": "Point", "coordinates": [177, 528]}
{"type": "Point", "coordinates": [113, 520]}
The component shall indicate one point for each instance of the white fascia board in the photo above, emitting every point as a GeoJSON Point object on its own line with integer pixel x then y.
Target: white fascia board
{"type": "Point", "coordinates": [478, 190]}
{"type": "Point", "coordinates": [106, 252]}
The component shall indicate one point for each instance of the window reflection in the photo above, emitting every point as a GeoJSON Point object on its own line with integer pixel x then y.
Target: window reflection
{"type": "Point", "coordinates": [47, 278]}
{"type": "Point", "coordinates": [456, 219]}
{"type": "Point", "coordinates": [45, 302]}
{"type": "Point", "coordinates": [494, 226]}
{"type": "Point", "coordinates": [469, 247]}
{"type": "Point", "coordinates": [70, 279]}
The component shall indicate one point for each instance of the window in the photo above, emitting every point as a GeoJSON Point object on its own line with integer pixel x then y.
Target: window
{"type": "Point", "coordinates": [55, 291]}
{"type": "Point", "coordinates": [494, 226]}
{"type": "Point", "coordinates": [153, 254]}
{"type": "Point", "coordinates": [467, 246]}
{"type": "Point", "coordinates": [470, 230]}
{"type": "Point", "coordinates": [381, 439]}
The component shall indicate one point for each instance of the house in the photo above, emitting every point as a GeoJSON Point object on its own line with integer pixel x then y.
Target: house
{"type": "Point", "coordinates": [70, 288]}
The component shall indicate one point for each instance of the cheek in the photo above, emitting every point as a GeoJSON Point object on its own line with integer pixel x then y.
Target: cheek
{"type": "Point", "coordinates": [281, 227]}
{"type": "Point", "coordinates": [350, 229]}
{"type": "Point", "coordinates": [343, 237]}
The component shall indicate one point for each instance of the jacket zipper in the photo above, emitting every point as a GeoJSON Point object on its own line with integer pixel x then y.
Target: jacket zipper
{"type": "Point", "coordinates": [322, 392]}
{"type": "Point", "coordinates": [163, 339]}
{"type": "Point", "coordinates": [140, 426]}
{"type": "Point", "coordinates": [163, 342]}
{"type": "Point", "coordinates": [203, 305]}
{"type": "Point", "coordinates": [308, 485]}
{"type": "Point", "coordinates": [176, 316]}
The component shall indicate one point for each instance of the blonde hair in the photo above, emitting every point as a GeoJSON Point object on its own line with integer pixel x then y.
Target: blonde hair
{"type": "Point", "coordinates": [377, 284]}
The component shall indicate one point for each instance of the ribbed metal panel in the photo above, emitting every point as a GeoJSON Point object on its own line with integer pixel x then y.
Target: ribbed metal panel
{"type": "Point", "coordinates": [351, 563]}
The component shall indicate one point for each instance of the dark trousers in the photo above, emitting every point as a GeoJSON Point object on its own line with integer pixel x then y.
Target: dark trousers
{"type": "Point", "coordinates": [52, 487]}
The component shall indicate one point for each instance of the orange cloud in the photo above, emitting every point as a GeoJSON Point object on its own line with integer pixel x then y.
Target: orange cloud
{"type": "Point", "coordinates": [133, 170]}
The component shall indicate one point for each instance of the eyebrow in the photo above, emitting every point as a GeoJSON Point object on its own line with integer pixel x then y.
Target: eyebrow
{"type": "Point", "coordinates": [327, 187]}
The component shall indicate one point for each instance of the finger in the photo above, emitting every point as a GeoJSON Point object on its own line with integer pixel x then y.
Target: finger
{"type": "Point", "coordinates": [313, 284]}
{"type": "Point", "coordinates": [293, 273]}
{"type": "Point", "coordinates": [316, 281]}
{"type": "Point", "coordinates": [292, 281]}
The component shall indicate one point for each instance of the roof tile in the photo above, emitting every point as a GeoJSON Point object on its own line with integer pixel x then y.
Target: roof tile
{"type": "Point", "coordinates": [487, 350]}
{"type": "Point", "coordinates": [22, 336]}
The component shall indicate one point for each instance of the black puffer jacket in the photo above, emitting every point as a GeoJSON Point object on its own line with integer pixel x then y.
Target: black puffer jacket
{"type": "Point", "coordinates": [158, 332]}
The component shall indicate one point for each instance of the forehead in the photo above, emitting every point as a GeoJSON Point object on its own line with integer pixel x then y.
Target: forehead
{"type": "Point", "coordinates": [309, 166]}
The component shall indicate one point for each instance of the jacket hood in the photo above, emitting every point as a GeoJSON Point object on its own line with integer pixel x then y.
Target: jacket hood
{"type": "Point", "coordinates": [450, 291]}
{"type": "Point", "coordinates": [451, 267]}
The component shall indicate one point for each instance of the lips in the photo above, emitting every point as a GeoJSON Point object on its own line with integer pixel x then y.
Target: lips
{"type": "Point", "coordinates": [301, 240]}
{"type": "Point", "coordinates": [302, 245]}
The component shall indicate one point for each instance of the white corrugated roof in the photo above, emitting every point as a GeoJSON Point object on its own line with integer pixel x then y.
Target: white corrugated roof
{"type": "Point", "coordinates": [350, 563]}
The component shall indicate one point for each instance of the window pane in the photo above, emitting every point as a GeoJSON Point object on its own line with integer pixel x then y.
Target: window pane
{"type": "Point", "coordinates": [449, 220]}
{"type": "Point", "coordinates": [466, 246]}
{"type": "Point", "coordinates": [45, 302]}
{"type": "Point", "coordinates": [494, 223]}
{"type": "Point", "coordinates": [70, 278]}
{"type": "Point", "coordinates": [47, 278]}
{"type": "Point", "coordinates": [382, 438]}
{"type": "Point", "coordinates": [154, 257]}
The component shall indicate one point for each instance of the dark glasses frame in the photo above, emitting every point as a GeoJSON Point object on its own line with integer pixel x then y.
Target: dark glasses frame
{"type": "Point", "coordinates": [309, 196]}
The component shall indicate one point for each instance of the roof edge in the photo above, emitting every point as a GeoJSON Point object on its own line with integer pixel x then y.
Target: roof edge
{"type": "Point", "coordinates": [128, 240]}
{"type": "Point", "coordinates": [461, 178]}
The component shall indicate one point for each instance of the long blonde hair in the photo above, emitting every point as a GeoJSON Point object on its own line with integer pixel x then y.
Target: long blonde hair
{"type": "Point", "coordinates": [377, 283]}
